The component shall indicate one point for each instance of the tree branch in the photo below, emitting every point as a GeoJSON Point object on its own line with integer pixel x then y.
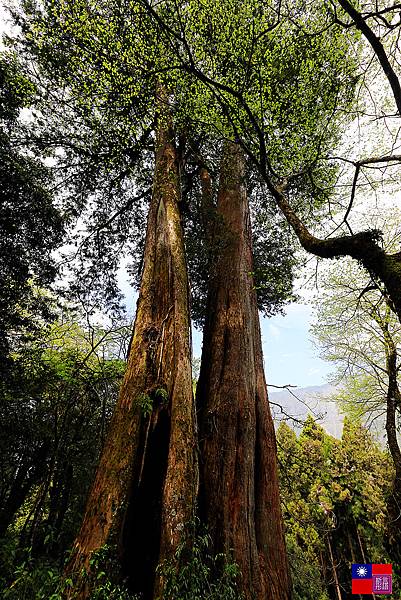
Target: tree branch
{"type": "Point", "coordinates": [378, 49]}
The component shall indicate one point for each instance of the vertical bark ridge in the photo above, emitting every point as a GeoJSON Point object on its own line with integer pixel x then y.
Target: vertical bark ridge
{"type": "Point", "coordinates": [239, 497]}
{"type": "Point", "coordinates": [146, 482]}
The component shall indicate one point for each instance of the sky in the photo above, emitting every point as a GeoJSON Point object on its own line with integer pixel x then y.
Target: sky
{"type": "Point", "coordinates": [289, 354]}
{"type": "Point", "coordinates": [5, 26]}
{"type": "Point", "coordinates": [288, 351]}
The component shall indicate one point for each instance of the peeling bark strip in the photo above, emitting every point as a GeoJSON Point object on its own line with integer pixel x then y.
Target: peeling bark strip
{"type": "Point", "coordinates": [146, 482]}
{"type": "Point", "coordinates": [239, 496]}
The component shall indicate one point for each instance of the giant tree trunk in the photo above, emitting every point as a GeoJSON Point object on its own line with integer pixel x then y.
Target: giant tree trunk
{"type": "Point", "coordinates": [146, 482]}
{"type": "Point", "coordinates": [239, 496]}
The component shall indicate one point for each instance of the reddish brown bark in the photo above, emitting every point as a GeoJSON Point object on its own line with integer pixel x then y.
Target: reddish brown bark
{"type": "Point", "coordinates": [239, 483]}
{"type": "Point", "coordinates": [146, 482]}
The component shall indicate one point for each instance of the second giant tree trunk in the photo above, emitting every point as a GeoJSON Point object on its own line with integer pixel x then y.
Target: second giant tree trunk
{"type": "Point", "coordinates": [146, 482]}
{"type": "Point", "coordinates": [239, 495]}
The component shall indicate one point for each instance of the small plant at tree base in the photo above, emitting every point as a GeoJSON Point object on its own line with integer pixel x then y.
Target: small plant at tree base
{"type": "Point", "coordinates": [105, 576]}
{"type": "Point", "coordinates": [202, 575]}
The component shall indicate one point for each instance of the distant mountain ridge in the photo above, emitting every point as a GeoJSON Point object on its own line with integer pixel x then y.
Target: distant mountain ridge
{"type": "Point", "coordinates": [294, 405]}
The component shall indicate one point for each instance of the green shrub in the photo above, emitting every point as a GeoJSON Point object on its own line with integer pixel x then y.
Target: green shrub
{"type": "Point", "coordinates": [42, 580]}
{"type": "Point", "coordinates": [202, 575]}
{"type": "Point", "coordinates": [34, 581]}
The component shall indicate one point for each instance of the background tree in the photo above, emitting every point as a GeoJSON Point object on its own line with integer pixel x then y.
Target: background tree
{"type": "Point", "coordinates": [334, 514]}
{"type": "Point", "coordinates": [350, 329]}
{"type": "Point", "coordinates": [54, 412]}
{"type": "Point", "coordinates": [360, 334]}
{"type": "Point", "coordinates": [31, 225]}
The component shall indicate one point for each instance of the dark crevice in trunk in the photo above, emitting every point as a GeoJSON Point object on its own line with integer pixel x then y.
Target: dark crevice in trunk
{"type": "Point", "coordinates": [142, 528]}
